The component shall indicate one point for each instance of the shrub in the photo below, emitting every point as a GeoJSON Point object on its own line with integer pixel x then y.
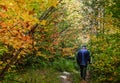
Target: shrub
{"type": "Point", "coordinates": [63, 64]}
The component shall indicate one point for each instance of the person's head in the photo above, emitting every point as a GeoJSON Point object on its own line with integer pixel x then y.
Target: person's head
{"type": "Point", "coordinates": [83, 46]}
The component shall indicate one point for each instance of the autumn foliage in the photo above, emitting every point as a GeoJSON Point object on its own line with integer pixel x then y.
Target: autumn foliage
{"type": "Point", "coordinates": [46, 30]}
{"type": "Point", "coordinates": [18, 23]}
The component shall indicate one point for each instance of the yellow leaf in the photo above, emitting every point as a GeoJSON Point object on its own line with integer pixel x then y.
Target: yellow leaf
{"type": "Point", "coordinates": [1, 62]}
{"type": "Point", "coordinates": [54, 4]}
{"type": "Point", "coordinates": [18, 57]}
{"type": "Point", "coordinates": [39, 54]}
{"type": "Point", "coordinates": [1, 68]}
{"type": "Point", "coordinates": [43, 22]}
{"type": "Point", "coordinates": [8, 61]}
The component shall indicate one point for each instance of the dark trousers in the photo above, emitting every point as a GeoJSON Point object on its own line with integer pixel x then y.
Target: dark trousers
{"type": "Point", "coordinates": [83, 71]}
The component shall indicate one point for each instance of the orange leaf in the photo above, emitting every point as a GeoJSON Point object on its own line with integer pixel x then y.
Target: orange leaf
{"type": "Point", "coordinates": [3, 24]}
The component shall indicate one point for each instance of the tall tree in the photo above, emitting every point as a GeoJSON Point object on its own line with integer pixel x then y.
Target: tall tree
{"type": "Point", "coordinates": [103, 39]}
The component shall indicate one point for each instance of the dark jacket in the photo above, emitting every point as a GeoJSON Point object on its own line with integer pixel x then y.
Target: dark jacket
{"type": "Point", "coordinates": [86, 57]}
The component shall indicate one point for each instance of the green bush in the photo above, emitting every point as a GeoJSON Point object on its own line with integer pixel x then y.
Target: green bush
{"type": "Point", "coordinates": [106, 68]}
{"type": "Point", "coordinates": [63, 64]}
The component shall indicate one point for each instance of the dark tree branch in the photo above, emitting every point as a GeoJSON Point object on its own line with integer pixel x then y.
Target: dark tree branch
{"type": "Point", "coordinates": [44, 16]}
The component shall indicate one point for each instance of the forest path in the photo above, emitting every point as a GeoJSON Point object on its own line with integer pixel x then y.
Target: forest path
{"type": "Point", "coordinates": [68, 78]}
{"type": "Point", "coordinates": [87, 78]}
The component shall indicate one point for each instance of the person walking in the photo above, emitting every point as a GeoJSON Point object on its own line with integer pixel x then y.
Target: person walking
{"type": "Point", "coordinates": [83, 59]}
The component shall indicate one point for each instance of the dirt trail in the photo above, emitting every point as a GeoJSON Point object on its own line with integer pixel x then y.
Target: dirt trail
{"type": "Point", "coordinates": [87, 78]}
{"type": "Point", "coordinates": [67, 78]}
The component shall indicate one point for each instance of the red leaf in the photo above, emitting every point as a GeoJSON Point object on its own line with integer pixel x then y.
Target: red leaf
{"type": "Point", "coordinates": [3, 7]}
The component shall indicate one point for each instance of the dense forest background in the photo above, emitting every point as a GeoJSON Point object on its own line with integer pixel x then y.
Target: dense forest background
{"type": "Point", "coordinates": [39, 39]}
